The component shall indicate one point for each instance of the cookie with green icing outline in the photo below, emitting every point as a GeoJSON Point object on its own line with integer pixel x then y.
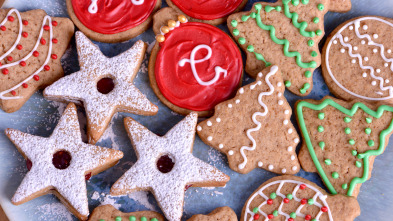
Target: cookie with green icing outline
{"type": "Point", "coordinates": [110, 213]}
{"type": "Point", "coordinates": [341, 140]}
{"type": "Point", "coordinates": [219, 214]}
{"type": "Point", "coordinates": [285, 33]}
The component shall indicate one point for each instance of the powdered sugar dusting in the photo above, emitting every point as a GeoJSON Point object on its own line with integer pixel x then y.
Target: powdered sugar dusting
{"type": "Point", "coordinates": [54, 209]}
{"type": "Point", "coordinates": [142, 198]}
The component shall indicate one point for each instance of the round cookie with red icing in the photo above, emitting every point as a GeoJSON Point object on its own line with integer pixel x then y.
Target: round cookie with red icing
{"type": "Point", "coordinates": [193, 65]}
{"type": "Point", "coordinates": [112, 20]}
{"type": "Point", "coordinates": [213, 12]}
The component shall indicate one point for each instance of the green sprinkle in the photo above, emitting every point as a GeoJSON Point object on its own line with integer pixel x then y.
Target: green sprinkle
{"type": "Point", "coordinates": [319, 32]}
{"type": "Point", "coordinates": [253, 15]}
{"type": "Point", "coordinates": [245, 17]}
{"type": "Point", "coordinates": [293, 215]}
{"type": "Point", "coordinates": [278, 8]}
{"type": "Point", "coordinates": [295, 2]}
{"type": "Point", "coordinates": [347, 119]}
{"type": "Point", "coordinates": [354, 152]}
{"type": "Point", "coordinates": [143, 218]}
{"type": "Point", "coordinates": [275, 213]}
{"type": "Point", "coordinates": [242, 40]}
{"type": "Point", "coordinates": [289, 196]}
{"type": "Point", "coordinates": [321, 144]}
{"type": "Point", "coordinates": [358, 164]}
{"type": "Point", "coordinates": [369, 120]}
{"type": "Point", "coordinates": [118, 218]}
{"type": "Point", "coordinates": [258, 6]}
{"type": "Point", "coordinates": [287, 83]}
{"type": "Point", "coordinates": [370, 143]}
{"type": "Point", "coordinates": [347, 130]}
{"type": "Point", "coordinates": [320, 129]}
{"type": "Point", "coordinates": [351, 141]}
{"type": "Point", "coordinates": [236, 32]}
{"type": "Point", "coordinates": [328, 161]}
{"type": "Point", "coordinates": [132, 218]}
{"type": "Point", "coordinates": [273, 196]}
{"type": "Point", "coordinates": [360, 156]}
{"type": "Point", "coordinates": [310, 201]}
{"type": "Point", "coordinates": [314, 54]}
{"type": "Point", "coordinates": [321, 116]}
{"type": "Point", "coordinates": [314, 220]}
{"type": "Point", "coordinates": [102, 220]}
{"type": "Point", "coordinates": [335, 175]}
{"type": "Point", "coordinates": [344, 186]}
{"type": "Point", "coordinates": [234, 23]}
{"type": "Point", "coordinates": [154, 219]}
{"type": "Point", "coordinates": [310, 43]}
{"type": "Point", "coordinates": [305, 87]}
{"type": "Point", "coordinates": [250, 48]}
{"type": "Point", "coordinates": [269, 8]}
{"type": "Point", "coordinates": [305, 2]}
{"type": "Point", "coordinates": [368, 130]}
{"type": "Point", "coordinates": [307, 74]}
{"type": "Point", "coordinates": [321, 7]}
{"type": "Point", "coordinates": [316, 20]}
{"type": "Point", "coordinates": [255, 210]}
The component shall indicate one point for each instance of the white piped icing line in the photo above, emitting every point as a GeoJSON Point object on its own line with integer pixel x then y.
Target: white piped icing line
{"type": "Point", "coordinates": [168, 188]}
{"type": "Point", "coordinates": [69, 182]}
{"type": "Point", "coordinates": [318, 195]}
{"type": "Point", "coordinates": [45, 20]}
{"type": "Point", "coordinates": [93, 8]}
{"type": "Point", "coordinates": [359, 57]}
{"type": "Point", "coordinates": [82, 86]}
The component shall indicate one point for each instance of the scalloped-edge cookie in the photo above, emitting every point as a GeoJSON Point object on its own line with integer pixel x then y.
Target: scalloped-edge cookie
{"type": "Point", "coordinates": [110, 213]}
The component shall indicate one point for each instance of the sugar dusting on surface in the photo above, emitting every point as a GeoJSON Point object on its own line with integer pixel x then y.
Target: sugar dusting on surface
{"type": "Point", "coordinates": [142, 197]}
{"type": "Point", "coordinates": [57, 210]}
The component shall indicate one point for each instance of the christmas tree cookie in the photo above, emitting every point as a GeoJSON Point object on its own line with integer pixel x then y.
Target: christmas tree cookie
{"type": "Point", "coordinates": [293, 198]}
{"type": "Point", "coordinates": [110, 213]}
{"type": "Point", "coordinates": [285, 33]}
{"type": "Point", "coordinates": [254, 128]}
{"type": "Point", "coordinates": [341, 140]}
{"type": "Point", "coordinates": [32, 44]}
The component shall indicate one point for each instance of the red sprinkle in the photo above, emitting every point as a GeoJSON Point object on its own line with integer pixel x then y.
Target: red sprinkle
{"type": "Point", "coordinates": [256, 216]}
{"type": "Point", "coordinates": [11, 18]}
{"type": "Point", "coordinates": [270, 216]}
{"type": "Point", "coordinates": [29, 164]}
{"type": "Point", "coordinates": [303, 186]}
{"type": "Point", "coordinates": [46, 27]}
{"type": "Point", "coordinates": [9, 58]}
{"type": "Point", "coordinates": [36, 53]}
{"type": "Point", "coordinates": [5, 71]}
{"type": "Point", "coordinates": [291, 219]}
{"type": "Point", "coordinates": [269, 201]}
{"type": "Point", "coordinates": [303, 201]}
{"type": "Point", "coordinates": [54, 40]}
{"type": "Point", "coordinates": [25, 34]}
{"type": "Point", "coordinates": [308, 217]}
{"type": "Point", "coordinates": [54, 56]}
{"type": "Point", "coordinates": [88, 176]}
{"type": "Point", "coordinates": [46, 67]}
{"type": "Point", "coordinates": [1, 64]}
{"type": "Point", "coordinates": [54, 23]}
{"type": "Point", "coordinates": [22, 63]}
{"type": "Point", "coordinates": [19, 47]}
{"type": "Point", "coordinates": [36, 77]}
{"type": "Point", "coordinates": [3, 28]}
{"type": "Point", "coordinates": [42, 41]}
{"type": "Point", "coordinates": [24, 85]}
{"type": "Point", "coordinates": [25, 22]}
{"type": "Point", "coordinates": [286, 200]}
{"type": "Point", "coordinates": [13, 93]}
{"type": "Point", "coordinates": [324, 209]}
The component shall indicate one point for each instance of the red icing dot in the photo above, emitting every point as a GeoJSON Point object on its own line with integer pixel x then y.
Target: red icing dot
{"type": "Point", "coordinates": [291, 219]}
{"type": "Point", "coordinates": [5, 71]}
{"type": "Point", "coordinates": [24, 85]}
{"type": "Point", "coordinates": [303, 201]}
{"type": "Point", "coordinates": [22, 63]}
{"type": "Point", "coordinates": [286, 200]}
{"type": "Point", "coordinates": [1, 64]}
{"type": "Point", "coordinates": [29, 164]}
{"type": "Point", "coordinates": [269, 201]}
{"type": "Point", "coordinates": [46, 67]}
{"type": "Point", "coordinates": [36, 53]}
{"type": "Point", "coordinates": [105, 85]}
{"type": "Point", "coordinates": [3, 28]}
{"type": "Point", "coordinates": [42, 41]}
{"type": "Point", "coordinates": [11, 18]}
{"type": "Point", "coordinates": [53, 56]}
{"type": "Point", "coordinates": [36, 77]}
{"type": "Point", "coordinates": [25, 22]}
{"type": "Point", "coordinates": [19, 47]}
{"type": "Point", "coordinates": [9, 58]}
{"type": "Point", "coordinates": [256, 216]}
{"type": "Point", "coordinates": [13, 93]}
{"type": "Point", "coordinates": [308, 217]}
{"type": "Point", "coordinates": [324, 209]}
{"type": "Point", "coordinates": [61, 159]}
{"type": "Point", "coordinates": [46, 27]}
{"type": "Point", "coordinates": [165, 164]}
{"type": "Point", "coordinates": [25, 34]}
{"type": "Point", "coordinates": [88, 176]}
{"type": "Point", "coordinates": [54, 40]}
{"type": "Point", "coordinates": [54, 23]}
{"type": "Point", "coordinates": [270, 216]}
{"type": "Point", "coordinates": [303, 186]}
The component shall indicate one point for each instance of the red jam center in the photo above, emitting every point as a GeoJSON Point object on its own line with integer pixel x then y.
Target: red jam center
{"type": "Point", "coordinates": [29, 164]}
{"type": "Point", "coordinates": [165, 164]}
{"type": "Point", "coordinates": [88, 176]}
{"type": "Point", "coordinates": [61, 159]}
{"type": "Point", "coordinates": [105, 85]}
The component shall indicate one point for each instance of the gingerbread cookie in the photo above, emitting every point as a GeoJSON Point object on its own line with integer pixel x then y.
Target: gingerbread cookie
{"type": "Point", "coordinates": [1, 2]}
{"type": "Point", "coordinates": [294, 198]}
{"type": "Point", "coordinates": [166, 166]}
{"type": "Point", "coordinates": [103, 85]}
{"type": "Point", "coordinates": [357, 60]}
{"type": "Point", "coordinates": [110, 213]}
{"type": "Point", "coordinates": [31, 47]}
{"type": "Point", "coordinates": [285, 33]}
{"type": "Point", "coordinates": [212, 12]}
{"type": "Point", "coordinates": [61, 164]}
{"type": "Point", "coordinates": [112, 20]}
{"type": "Point", "coordinates": [254, 128]}
{"type": "Point", "coordinates": [219, 214]}
{"type": "Point", "coordinates": [193, 65]}
{"type": "Point", "coordinates": [341, 140]}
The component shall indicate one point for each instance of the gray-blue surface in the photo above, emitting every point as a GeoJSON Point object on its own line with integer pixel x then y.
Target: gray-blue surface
{"type": "Point", "coordinates": [40, 116]}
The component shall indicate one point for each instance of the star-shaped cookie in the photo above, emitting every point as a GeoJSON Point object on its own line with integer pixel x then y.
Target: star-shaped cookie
{"type": "Point", "coordinates": [103, 85]}
{"type": "Point", "coordinates": [61, 163]}
{"type": "Point", "coordinates": [166, 166]}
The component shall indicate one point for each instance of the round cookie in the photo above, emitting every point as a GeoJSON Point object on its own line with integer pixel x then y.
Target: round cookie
{"type": "Point", "coordinates": [357, 60]}
{"type": "Point", "coordinates": [193, 65]}
{"type": "Point", "coordinates": [112, 20]}
{"type": "Point", "coordinates": [212, 12]}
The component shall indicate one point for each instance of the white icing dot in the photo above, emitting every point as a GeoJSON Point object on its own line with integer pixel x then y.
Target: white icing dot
{"type": "Point", "coordinates": [209, 138]}
{"type": "Point", "coordinates": [270, 167]}
{"type": "Point", "coordinates": [375, 36]}
{"type": "Point", "coordinates": [365, 27]}
{"type": "Point", "coordinates": [351, 27]}
{"type": "Point", "coordinates": [209, 123]}
{"type": "Point", "coordinates": [342, 50]}
{"type": "Point", "coordinates": [286, 112]}
{"type": "Point", "coordinates": [335, 42]}
{"type": "Point", "coordinates": [230, 152]}
{"type": "Point", "coordinates": [284, 170]}
{"type": "Point", "coordinates": [290, 148]}
{"type": "Point", "coordinates": [199, 128]}
{"type": "Point", "coordinates": [259, 82]}
{"type": "Point", "coordinates": [386, 64]}
{"type": "Point", "coordinates": [378, 70]}
{"type": "Point", "coordinates": [241, 90]}
{"type": "Point", "coordinates": [375, 50]}
{"type": "Point", "coordinates": [355, 48]}
{"type": "Point", "coordinates": [221, 146]}
{"type": "Point", "coordinates": [346, 39]}
{"type": "Point", "coordinates": [252, 86]}
{"type": "Point", "coordinates": [279, 94]}
{"type": "Point", "coordinates": [389, 51]}
{"type": "Point", "coordinates": [230, 105]}
{"type": "Point", "coordinates": [280, 102]}
{"type": "Point", "coordinates": [363, 42]}
{"type": "Point", "coordinates": [290, 130]}
{"type": "Point", "coordinates": [285, 122]}
{"type": "Point", "coordinates": [366, 58]}
{"type": "Point", "coordinates": [218, 119]}
{"type": "Point", "coordinates": [353, 61]}
{"type": "Point", "coordinates": [294, 168]}
{"type": "Point", "coordinates": [374, 83]}
{"type": "Point", "coordinates": [260, 164]}
{"type": "Point", "coordinates": [296, 140]}
{"type": "Point", "coordinates": [293, 157]}
{"type": "Point", "coordinates": [364, 74]}
{"type": "Point", "coordinates": [260, 74]}
{"type": "Point", "coordinates": [279, 84]}
{"type": "Point", "coordinates": [387, 81]}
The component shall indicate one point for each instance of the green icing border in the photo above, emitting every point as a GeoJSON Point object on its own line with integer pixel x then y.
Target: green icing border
{"type": "Point", "coordinates": [364, 156]}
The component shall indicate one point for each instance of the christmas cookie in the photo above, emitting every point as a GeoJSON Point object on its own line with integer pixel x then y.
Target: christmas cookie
{"type": "Point", "coordinates": [193, 65]}
{"type": "Point", "coordinates": [357, 60]}
{"type": "Point", "coordinates": [254, 128]}
{"type": "Point", "coordinates": [31, 47]}
{"type": "Point", "coordinates": [213, 12]}
{"type": "Point", "coordinates": [285, 33]}
{"type": "Point", "coordinates": [294, 198]}
{"type": "Point", "coordinates": [110, 213]}
{"type": "Point", "coordinates": [112, 20]}
{"type": "Point", "coordinates": [103, 85]}
{"type": "Point", "coordinates": [341, 140]}
{"type": "Point", "coordinates": [61, 164]}
{"type": "Point", "coordinates": [219, 214]}
{"type": "Point", "coordinates": [166, 166]}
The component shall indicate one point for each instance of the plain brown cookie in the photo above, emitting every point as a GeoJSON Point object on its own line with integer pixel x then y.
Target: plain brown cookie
{"type": "Point", "coordinates": [110, 213]}
{"type": "Point", "coordinates": [357, 60]}
{"type": "Point", "coordinates": [28, 64]}
{"type": "Point", "coordinates": [211, 22]}
{"type": "Point", "coordinates": [341, 140]}
{"type": "Point", "coordinates": [285, 33]}
{"type": "Point", "coordinates": [254, 128]}
{"type": "Point", "coordinates": [112, 38]}
{"type": "Point", "coordinates": [294, 198]}
{"type": "Point", "coordinates": [219, 214]}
